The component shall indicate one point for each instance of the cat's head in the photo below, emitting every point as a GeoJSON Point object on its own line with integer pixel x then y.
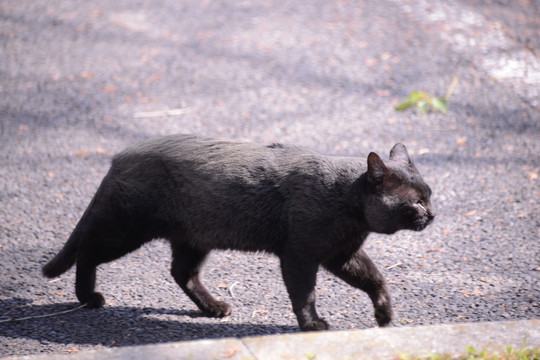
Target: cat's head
{"type": "Point", "coordinates": [398, 198]}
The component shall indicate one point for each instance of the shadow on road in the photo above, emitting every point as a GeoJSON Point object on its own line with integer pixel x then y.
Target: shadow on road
{"type": "Point", "coordinates": [118, 325]}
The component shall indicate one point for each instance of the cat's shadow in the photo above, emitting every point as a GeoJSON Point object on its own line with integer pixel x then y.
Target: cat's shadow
{"type": "Point", "coordinates": [118, 325]}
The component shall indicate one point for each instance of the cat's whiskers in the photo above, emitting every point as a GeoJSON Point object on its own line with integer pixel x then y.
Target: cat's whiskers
{"type": "Point", "coordinates": [423, 208]}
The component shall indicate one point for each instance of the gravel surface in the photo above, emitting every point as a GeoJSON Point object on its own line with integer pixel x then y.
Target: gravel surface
{"type": "Point", "coordinates": [81, 80]}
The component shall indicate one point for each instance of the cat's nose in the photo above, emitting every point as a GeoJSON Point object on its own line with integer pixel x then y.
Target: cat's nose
{"type": "Point", "coordinates": [430, 216]}
{"type": "Point", "coordinates": [430, 210]}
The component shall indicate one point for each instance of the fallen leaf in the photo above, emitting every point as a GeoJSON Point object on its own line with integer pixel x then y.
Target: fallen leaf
{"type": "Point", "coordinates": [109, 89]}
{"type": "Point", "coordinates": [84, 152]}
{"type": "Point", "coordinates": [22, 128]}
{"type": "Point", "coordinates": [385, 56]}
{"type": "Point", "coordinates": [362, 45]}
{"type": "Point", "coordinates": [143, 99]}
{"type": "Point", "coordinates": [371, 62]}
{"type": "Point", "coordinates": [97, 12]}
{"type": "Point", "coordinates": [87, 75]}
{"type": "Point", "coordinates": [230, 353]}
{"type": "Point", "coordinates": [145, 58]}
{"type": "Point", "coordinates": [471, 213]}
{"type": "Point", "coordinates": [81, 153]}
{"type": "Point", "coordinates": [152, 78]}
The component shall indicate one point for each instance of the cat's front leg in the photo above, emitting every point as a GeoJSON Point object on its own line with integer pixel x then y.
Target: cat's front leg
{"type": "Point", "coordinates": [299, 275]}
{"type": "Point", "coordinates": [359, 271]}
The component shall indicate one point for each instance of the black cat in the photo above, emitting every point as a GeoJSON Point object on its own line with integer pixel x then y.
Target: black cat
{"type": "Point", "coordinates": [205, 194]}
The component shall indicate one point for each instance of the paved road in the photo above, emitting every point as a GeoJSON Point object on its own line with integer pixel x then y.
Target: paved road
{"type": "Point", "coordinates": [81, 80]}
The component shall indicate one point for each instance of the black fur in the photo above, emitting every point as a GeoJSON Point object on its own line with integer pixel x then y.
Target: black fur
{"type": "Point", "coordinates": [204, 194]}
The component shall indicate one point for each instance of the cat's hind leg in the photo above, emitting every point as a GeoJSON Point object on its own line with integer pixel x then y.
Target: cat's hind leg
{"type": "Point", "coordinates": [97, 247]}
{"type": "Point", "coordinates": [85, 284]}
{"type": "Point", "coordinates": [359, 271]}
{"type": "Point", "coordinates": [185, 269]}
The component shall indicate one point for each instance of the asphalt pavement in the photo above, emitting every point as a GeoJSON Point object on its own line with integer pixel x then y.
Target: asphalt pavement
{"type": "Point", "coordinates": [79, 81]}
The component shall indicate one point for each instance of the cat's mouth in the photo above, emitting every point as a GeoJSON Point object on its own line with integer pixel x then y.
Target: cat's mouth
{"type": "Point", "coordinates": [422, 222]}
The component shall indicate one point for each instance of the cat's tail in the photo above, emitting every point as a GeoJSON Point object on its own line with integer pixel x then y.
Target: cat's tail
{"type": "Point", "coordinates": [65, 259]}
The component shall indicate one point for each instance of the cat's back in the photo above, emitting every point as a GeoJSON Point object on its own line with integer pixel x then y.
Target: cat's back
{"type": "Point", "coordinates": [205, 157]}
{"type": "Point", "coordinates": [209, 157]}
{"type": "Point", "coordinates": [173, 146]}
{"type": "Point", "coordinates": [197, 150]}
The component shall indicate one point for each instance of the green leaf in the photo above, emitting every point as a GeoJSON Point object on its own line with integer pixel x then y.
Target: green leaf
{"type": "Point", "coordinates": [405, 104]}
{"type": "Point", "coordinates": [418, 96]}
{"type": "Point", "coordinates": [424, 102]}
{"type": "Point", "coordinates": [423, 106]}
{"type": "Point", "coordinates": [440, 104]}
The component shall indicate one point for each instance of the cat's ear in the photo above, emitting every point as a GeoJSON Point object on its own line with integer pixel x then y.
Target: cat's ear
{"type": "Point", "coordinates": [376, 169]}
{"type": "Point", "coordinates": [399, 153]}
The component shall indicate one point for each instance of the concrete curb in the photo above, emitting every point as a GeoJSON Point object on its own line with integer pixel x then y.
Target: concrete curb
{"type": "Point", "coordinates": [376, 343]}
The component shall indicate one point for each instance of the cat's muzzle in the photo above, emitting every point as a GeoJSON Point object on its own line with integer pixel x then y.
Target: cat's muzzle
{"type": "Point", "coordinates": [423, 221]}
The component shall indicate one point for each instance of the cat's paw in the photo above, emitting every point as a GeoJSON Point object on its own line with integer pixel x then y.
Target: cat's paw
{"type": "Point", "coordinates": [218, 309]}
{"type": "Point", "coordinates": [316, 325]}
{"type": "Point", "coordinates": [383, 310]}
{"type": "Point", "coordinates": [383, 317]}
{"type": "Point", "coordinates": [94, 301]}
